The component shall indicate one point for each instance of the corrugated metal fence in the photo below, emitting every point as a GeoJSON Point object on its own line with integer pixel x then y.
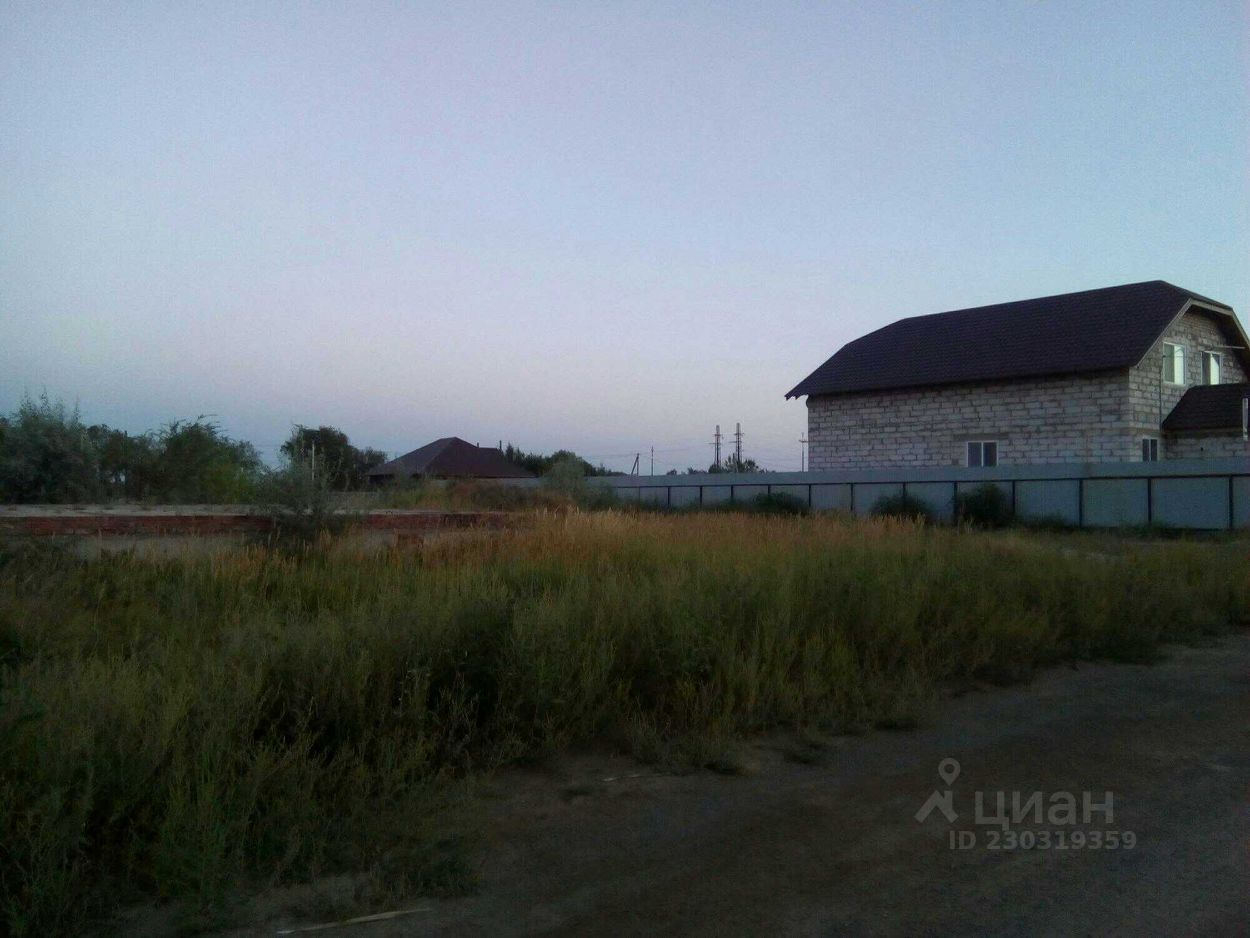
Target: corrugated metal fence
{"type": "Point", "coordinates": [1205, 494]}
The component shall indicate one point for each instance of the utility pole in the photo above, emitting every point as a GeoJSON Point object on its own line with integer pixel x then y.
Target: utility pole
{"type": "Point", "coordinates": [653, 460]}
{"type": "Point", "coordinates": [738, 447]}
{"type": "Point", "coordinates": [803, 454]}
{"type": "Point", "coordinates": [716, 438]}
{"type": "Point", "coordinates": [634, 471]}
{"type": "Point", "coordinates": [314, 462]}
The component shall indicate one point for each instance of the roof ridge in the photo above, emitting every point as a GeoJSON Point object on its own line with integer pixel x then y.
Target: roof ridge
{"type": "Point", "coordinates": [1056, 296]}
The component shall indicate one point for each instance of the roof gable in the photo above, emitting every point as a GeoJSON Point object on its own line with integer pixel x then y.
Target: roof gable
{"type": "Point", "coordinates": [1094, 330]}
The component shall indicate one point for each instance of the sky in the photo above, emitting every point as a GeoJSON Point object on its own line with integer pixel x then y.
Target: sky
{"type": "Point", "coordinates": [598, 226]}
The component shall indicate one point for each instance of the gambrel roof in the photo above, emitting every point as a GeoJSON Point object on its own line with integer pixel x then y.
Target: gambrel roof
{"type": "Point", "coordinates": [1073, 333]}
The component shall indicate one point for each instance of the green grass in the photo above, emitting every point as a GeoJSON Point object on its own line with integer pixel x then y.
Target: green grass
{"type": "Point", "coordinates": [192, 729]}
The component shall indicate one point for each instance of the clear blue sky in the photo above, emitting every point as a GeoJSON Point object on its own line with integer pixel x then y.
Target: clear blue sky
{"type": "Point", "coordinates": [602, 226]}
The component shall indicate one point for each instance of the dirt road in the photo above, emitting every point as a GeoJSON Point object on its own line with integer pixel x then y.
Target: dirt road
{"type": "Point", "coordinates": [835, 849]}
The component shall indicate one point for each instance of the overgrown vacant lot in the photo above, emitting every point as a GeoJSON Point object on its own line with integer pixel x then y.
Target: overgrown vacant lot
{"type": "Point", "coordinates": [188, 729]}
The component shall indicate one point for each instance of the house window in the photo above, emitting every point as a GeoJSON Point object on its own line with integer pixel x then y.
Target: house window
{"type": "Point", "coordinates": [982, 453]}
{"type": "Point", "coordinates": [1150, 449]}
{"type": "Point", "coordinates": [1173, 363]}
{"type": "Point", "coordinates": [1210, 367]}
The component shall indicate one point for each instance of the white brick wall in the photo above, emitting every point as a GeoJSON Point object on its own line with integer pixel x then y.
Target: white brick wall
{"type": "Point", "coordinates": [1222, 446]}
{"type": "Point", "coordinates": [1087, 418]}
{"type": "Point", "coordinates": [1151, 399]}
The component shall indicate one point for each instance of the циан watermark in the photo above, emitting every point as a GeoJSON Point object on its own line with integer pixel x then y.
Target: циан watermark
{"type": "Point", "coordinates": [1062, 820]}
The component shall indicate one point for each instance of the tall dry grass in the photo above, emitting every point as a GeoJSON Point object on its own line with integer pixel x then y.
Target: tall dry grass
{"type": "Point", "coordinates": [181, 729]}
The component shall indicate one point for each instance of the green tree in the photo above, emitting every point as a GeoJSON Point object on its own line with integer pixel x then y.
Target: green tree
{"type": "Point", "coordinates": [540, 465]}
{"type": "Point", "coordinates": [126, 463]}
{"type": "Point", "coordinates": [46, 455]}
{"type": "Point", "coordinates": [345, 466]}
{"type": "Point", "coordinates": [733, 464]}
{"type": "Point", "coordinates": [198, 464]}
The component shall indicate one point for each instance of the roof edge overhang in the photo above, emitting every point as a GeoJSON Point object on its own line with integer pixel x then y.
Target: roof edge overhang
{"type": "Point", "coordinates": [971, 382]}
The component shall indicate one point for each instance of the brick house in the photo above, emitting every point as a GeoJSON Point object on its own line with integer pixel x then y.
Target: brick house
{"type": "Point", "coordinates": [1142, 371]}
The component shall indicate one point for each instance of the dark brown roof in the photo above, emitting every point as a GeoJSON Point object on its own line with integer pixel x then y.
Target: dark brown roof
{"type": "Point", "coordinates": [1208, 407]}
{"type": "Point", "coordinates": [1094, 330]}
{"type": "Point", "coordinates": [452, 457]}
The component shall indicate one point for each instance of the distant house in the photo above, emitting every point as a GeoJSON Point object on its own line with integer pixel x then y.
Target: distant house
{"type": "Point", "coordinates": [1143, 371]}
{"type": "Point", "coordinates": [449, 458]}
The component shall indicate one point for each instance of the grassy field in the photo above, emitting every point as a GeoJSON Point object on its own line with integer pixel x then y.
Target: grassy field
{"type": "Point", "coordinates": [189, 729]}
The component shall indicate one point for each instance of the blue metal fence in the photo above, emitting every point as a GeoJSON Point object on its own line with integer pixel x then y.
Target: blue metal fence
{"type": "Point", "coordinates": [1201, 494]}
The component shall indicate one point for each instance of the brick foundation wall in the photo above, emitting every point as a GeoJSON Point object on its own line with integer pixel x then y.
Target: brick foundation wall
{"type": "Point", "coordinates": [70, 522]}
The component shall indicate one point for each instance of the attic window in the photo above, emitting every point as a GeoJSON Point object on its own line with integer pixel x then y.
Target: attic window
{"type": "Point", "coordinates": [1173, 363]}
{"type": "Point", "coordinates": [1210, 367]}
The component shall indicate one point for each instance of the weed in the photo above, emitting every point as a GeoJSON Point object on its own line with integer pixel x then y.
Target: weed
{"type": "Point", "coordinates": [187, 729]}
{"type": "Point", "coordinates": [902, 505]}
{"type": "Point", "coordinates": [986, 506]}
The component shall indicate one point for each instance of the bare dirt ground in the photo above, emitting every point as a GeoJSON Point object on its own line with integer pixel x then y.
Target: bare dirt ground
{"type": "Point", "coordinates": [833, 848]}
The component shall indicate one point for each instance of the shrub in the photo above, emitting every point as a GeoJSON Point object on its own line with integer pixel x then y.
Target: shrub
{"type": "Point", "coordinates": [777, 503]}
{"type": "Point", "coordinates": [986, 506]}
{"type": "Point", "coordinates": [902, 505]}
{"type": "Point", "coordinates": [299, 500]}
{"type": "Point", "coordinates": [567, 477]}
{"type": "Point", "coordinates": [1051, 522]}
{"type": "Point", "coordinates": [498, 496]}
{"type": "Point", "coordinates": [196, 463]}
{"type": "Point", "coordinates": [46, 455]}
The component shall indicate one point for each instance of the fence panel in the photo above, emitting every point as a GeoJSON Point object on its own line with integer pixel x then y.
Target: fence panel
{"type": "Point", "coordinates": [1196, 493]}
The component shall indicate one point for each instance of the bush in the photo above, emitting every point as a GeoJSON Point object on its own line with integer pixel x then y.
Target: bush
{"type": "Point", "coordinates": [46, 455]}
{"type": "Point", "coordinates": [567, 477]}
{"type": "Point", "coordinates": [777, 503]}
{"type": "Point", "coordinates": [902, 505]}
{"type": "Point", "coordinates": [196, 463]}
{"type": "Point", "coordinates": [986, 506]}
{"type": "Point", "coordinates": [499, 496]}
{"type": "Point", "coordinates": [299, 500]}
{"type": "Point", "coordinates": [1051, 522]}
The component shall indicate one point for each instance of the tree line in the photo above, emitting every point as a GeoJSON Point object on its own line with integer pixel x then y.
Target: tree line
{"type": "Point", "coordinates": [48, 455]}
{"type": "Point", "coordinates": [541, 464]}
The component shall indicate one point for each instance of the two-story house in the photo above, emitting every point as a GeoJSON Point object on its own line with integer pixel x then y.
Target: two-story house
{"type": "Point", "coordinates": [1143, 371]}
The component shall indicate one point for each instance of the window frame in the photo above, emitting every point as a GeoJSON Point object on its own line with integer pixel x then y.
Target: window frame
{"type": "Point", "coordinates": [1207, 359]}
{"type": "Point", "coordinates": [1176, 357]}
{"type": "Point", "coordinates": [1149, 449]}
{"type": "Point", "coordinates": [980, 445]}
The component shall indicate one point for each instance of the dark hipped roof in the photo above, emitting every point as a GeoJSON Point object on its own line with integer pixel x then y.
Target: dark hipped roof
{"type": "Point", "coordinates": [452, 456]}
{"type": "Point", "coordinates": [1208, 407]}
{"type": "Point", "coordinates": [1094, 330]}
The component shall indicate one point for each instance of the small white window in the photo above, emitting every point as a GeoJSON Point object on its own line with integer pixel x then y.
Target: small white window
{"type": "Point", "coordinates": [1173, 363]}
{"type": "Point", "coordinates": [1210, 367]}
{"type": "Point", "coordinates": [982, 453]}
{"type": "Point", "coordinates": [1150, 449]}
